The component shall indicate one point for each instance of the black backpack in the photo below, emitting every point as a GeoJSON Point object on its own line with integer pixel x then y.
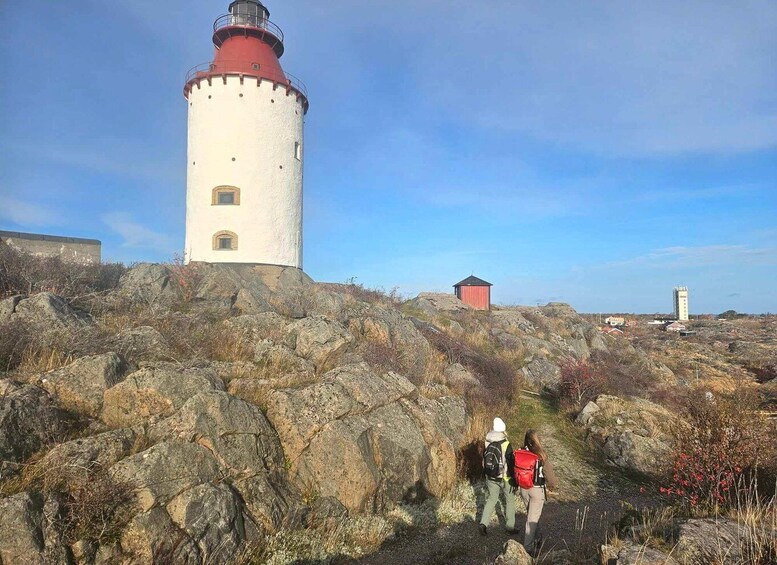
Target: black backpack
{"type": "Point", "coordinates": [494, 464]}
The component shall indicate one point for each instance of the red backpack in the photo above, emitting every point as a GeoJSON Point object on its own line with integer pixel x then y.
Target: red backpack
{"type": "Point", "coordinates": [526, 469]}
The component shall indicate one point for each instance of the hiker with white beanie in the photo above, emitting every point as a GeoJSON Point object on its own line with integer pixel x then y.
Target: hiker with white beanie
{"type": "Point", "coordinates": [498, 465]}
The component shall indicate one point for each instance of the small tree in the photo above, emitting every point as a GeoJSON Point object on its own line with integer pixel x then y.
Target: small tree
{"type": "Point", "coordinates": [581, 381]}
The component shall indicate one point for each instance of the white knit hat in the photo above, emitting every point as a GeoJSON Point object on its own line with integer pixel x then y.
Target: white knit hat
{"type": "Point", "coordinates": [499, 425]}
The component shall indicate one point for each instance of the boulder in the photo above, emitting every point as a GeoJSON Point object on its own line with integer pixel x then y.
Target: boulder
{"type": "Point", "coordinates": [271, 505]}
{"type": "Point", "coordinates": [8, 306]}
{"type": "Point", "coordinates": [79, 387]}
{"type": "Point", "coordinates": [513, 553]}
{"type": "Point", "coordinates": [634, 554]}
{"type": "Point", "coordinates": [152, 537]}
{"type": "Point", "coordinates": [512, 320]}
{"type": "Point", "coordinates": [101, 450]}
{"type": "Point", "coordinates": [50, 311]}
{"type": "Point", "coordinates": [164, 471]}
{"type": "Point", "coordinates": [542, 372]}
{"type": "Point", "coordinates": [387, 442]}
{"type": "Point", "coordinates": [432, 303]}
{"type": "Point", "coordinates": [629, 450]}
{"type": "Point", "coordinates": [560, 310]}
{"type": "Point", "coordinates": [709, 540]}
{"type": "Point", "coordinates": [148, 284]}
{"type": "Point", "coordinates": [587, 413]}
{"type": "Point", "coordinates": [29, 419]}
{"type": "Point", "coordinates": [21, 537]}
{"type": "Point", "coordinates": [143, 343]}
{"type": "Point", "coordinates": [234, 431]}
{"type": "Point", "coordinates": [318, 339]}
{"type": "Point", "coordinates": [281, 360]}
{"type": "Point", "coordinates": [267, 325]}
{"type": "Point", "coordinates": [211, 517]}
{"type": "Point", "coordinates": [158, 389]}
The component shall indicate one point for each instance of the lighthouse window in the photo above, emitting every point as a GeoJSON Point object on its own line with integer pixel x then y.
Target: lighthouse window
{"type": "Point", "coordinates": [225, 241]}
{"type": "Point", "coordinates": [297, 150]}
{"type": "Point", "coordinates": [225, 196]}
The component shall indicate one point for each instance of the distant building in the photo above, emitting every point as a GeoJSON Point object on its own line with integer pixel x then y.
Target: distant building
{"type": "Point", "coordinates": [73, 249]}
{"type": "Point", "coordinates": [615, 321]}
{"type": "Point", "coordinates": [609, 330]}
{"type": "Point", "coordinates": [475, 292]}
{"type": "Point", "coordinates": [674, 327]}
{"type": "Point", "coordinates": [681, 303]}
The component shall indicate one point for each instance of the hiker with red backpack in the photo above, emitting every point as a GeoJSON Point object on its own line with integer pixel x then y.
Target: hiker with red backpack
{"type": "Point", "coordinates": [533, 476]}
{"type": "Point", "coordinates": [498, 468]}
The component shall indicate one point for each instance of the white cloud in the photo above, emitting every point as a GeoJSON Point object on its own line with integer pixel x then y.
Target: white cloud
{"type": "Point", "coordinates": [25, 213]}
{"type": "Point", "coordinates": [136, 235]}
{"type": "Point", "coordinates": [701, 256]}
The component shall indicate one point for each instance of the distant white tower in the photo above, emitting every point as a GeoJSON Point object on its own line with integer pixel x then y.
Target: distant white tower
{"type": "Point", "coordinates": [681, 303]}
{"type": "Point", "coordinates": [245, 148]}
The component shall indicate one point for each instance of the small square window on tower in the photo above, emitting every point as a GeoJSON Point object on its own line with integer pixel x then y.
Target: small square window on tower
{"type": "Point", "coordinates": [226, 197]}
{"type": "Point", "coordinates": [298, 151]}
{"type": "Point", "coordinates": [225, 243]}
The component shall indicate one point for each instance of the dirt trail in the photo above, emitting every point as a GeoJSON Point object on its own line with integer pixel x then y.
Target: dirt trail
{"type": "Point", "coordinates": [590, 498]}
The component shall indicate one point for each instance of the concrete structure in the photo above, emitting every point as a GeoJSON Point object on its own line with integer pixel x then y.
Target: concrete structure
{"type": "Point", "coordinates": [674, 327]}
{"type": "Point", "coordinates": [74, 249]}
{"type": "Point", "coordinates": [245, 146]}
{"type": "Point", "coordinates": [681, 303]}
{"type": "Point", "coordinates": [615, 321]}
{"type": "Point", "coordinates": [475, 292]}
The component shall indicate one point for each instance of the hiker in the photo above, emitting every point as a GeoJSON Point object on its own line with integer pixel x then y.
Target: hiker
{"type": "Point", "coordinates": [498, 468]}
{"type": "Point", "coordinates": [543, 480]}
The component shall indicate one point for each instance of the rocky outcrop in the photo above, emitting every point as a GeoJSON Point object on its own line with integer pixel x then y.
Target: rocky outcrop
{"type": "Point", "coordinates": [631, 553]}
{"type": "Point", "coordinates": [143, 343]}
{"type": "Point", "coordinates": [158, 389]}
{"type": "Point", "coordinates": [21, 537]}
{"type": "Point", "coordinates": [29, 419]}
{"type": "Point", "coordinates": [386, 442]}
{"type": "Point", "coordinates": [710, 540]}
{"type": "Point", "coordinates": [634, 434]}
{"type": "Point", "coordinates": [80, 386]}
{"type": "Point", "coordinates": [148, 284]}
{"type": "Point", "coordinates": [435, 302]}
{"type": "Point", "coordinates": [8, 307]}
{"type": "Point", "coordinates": [49, 311]}
{"type": "Point", "coordinates": [319, 340]}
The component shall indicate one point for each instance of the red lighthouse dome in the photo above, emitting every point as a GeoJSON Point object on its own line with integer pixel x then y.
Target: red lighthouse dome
{"type": "Point", "coordinates": [247, 43]}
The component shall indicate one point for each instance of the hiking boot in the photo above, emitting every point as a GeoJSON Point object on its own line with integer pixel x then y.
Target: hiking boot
{"type": "Point", "coordinates": [483, 529]}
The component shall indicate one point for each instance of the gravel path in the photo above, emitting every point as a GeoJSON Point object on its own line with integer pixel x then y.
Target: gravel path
{"type": "Point", "coordinates": [462, 544]}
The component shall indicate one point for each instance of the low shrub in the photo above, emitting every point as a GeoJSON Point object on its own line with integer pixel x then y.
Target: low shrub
{"type": "Point", "coordinates": [23, 273]}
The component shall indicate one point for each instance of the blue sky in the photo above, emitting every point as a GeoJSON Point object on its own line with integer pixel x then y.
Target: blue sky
{"type": "Point", "coordinates": [595, 153]}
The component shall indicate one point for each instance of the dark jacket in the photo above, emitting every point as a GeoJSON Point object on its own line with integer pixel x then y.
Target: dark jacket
{"type": "Point", "coordinates": [499, 437]}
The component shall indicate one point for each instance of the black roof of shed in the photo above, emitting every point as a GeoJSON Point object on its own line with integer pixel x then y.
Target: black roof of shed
{"type": "Point", "coordinates": [472, 281]}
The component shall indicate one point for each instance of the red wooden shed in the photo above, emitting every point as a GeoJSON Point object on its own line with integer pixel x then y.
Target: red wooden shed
{"type": "Point", "coordinates": [474, 292]}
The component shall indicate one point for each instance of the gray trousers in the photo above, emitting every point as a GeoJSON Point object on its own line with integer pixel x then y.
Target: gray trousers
{"type": "Point", "coordinates": [495, 488]}
{"type": "Point", "coordinates": [534, 499]}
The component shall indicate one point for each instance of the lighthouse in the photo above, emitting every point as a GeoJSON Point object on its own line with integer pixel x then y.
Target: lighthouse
{"type": "Point", "coordinates": [245, 146]}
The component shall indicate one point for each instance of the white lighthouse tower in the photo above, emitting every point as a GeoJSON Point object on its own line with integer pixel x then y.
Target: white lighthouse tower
{"type": "Point", "coordinates": [245, 147]}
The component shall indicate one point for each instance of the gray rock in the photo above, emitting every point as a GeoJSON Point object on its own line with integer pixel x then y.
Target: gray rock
{"type": "Point", "coordinates": [79, 387]}
{"type": "Point", "coordinates": [433, 303]}
{"type": "Point", "coordinates": [211, 516]}
{"type": "Point", "coordinates": [148, 283]}
{"type": "Point", "coordinates": [271, 505]}
{"type": "Point", "coordinates": [164, 471]}
{"type": "Point", "coordinates": [542, 372]}
{"type": "Point", "coordinates": [709, 540]}
{"type": "Point", "coordinates": [587, 413]}
{"type": "Point", "coordinates": [318, 339]}
{"type": "Point", "coordinates": [267, 325]}
{"type": "Point", "coordinates": [143, 343]}
{"type": "Point", "coordinates": [326, 510]}
{"type": "Point", "coordinates": [513, 553]}
{"type": "Point", "coordinates": [158, 389]}
{"type": "Point", "coordinates": [632, 451]}
{"type": "Point", "coordinates": [236, 432]}
{"type": "Point", "coordinates": [21, 537]}
{"type": "Point", "coordinates": [635, 554]}
{"type": "Point", "coordinates": [50, 311]}
{"type": "Point", "coordinates": [8, 306]}
{"type": "Point", "coordinates": [29, 419]}
{"type": "Point", "coordinates": [152, 537]}
{"type": "Point", "coordinates": [101, 450]}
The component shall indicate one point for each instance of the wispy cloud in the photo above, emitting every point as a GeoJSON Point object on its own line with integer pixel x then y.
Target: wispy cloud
{"type": "Point", "coordinates": [26, 213]}
{"type": "Point", "coordinates": [136, 235]}
{"type": "Point", "coordinates": [702, 256]}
